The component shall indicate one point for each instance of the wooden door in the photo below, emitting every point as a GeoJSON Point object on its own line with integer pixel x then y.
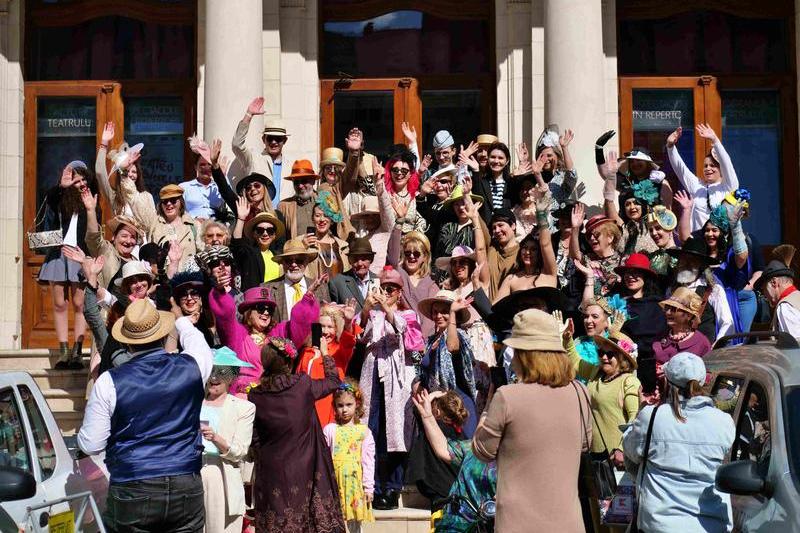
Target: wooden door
{"type": "Point", "coordinates": [652, 107]}
{"type": "Point", "coordinates": [63, 122]}
{"type": "Point", "coordinates": [376, 106]}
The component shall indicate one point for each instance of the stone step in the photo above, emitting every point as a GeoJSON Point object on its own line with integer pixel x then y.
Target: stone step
{"type": "Point", "coordinates": [402, 520]}
{"type": "Point", "coordinates": [65, 399]}
{"type": "Point", "coordinates": [69, 422]}
{"type": "Point", "coordinates": [35, 359]}
{"type": "Point", "coordinates": [60, 379]}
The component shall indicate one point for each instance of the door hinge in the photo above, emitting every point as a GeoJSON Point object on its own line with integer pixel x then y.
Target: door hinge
{"type": "Point", "coordinates": [404, 83]}
{"type": "Point", "coordinates": [107, 88]}
{"type": "Point", "coordinates": [706, 80]}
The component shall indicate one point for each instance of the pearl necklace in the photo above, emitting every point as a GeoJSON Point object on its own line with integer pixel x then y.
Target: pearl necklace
{"type": "Point", "coordinates": [678, 337]}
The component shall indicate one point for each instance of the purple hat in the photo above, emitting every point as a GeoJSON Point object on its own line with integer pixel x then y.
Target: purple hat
{"type": "Point", "coordinates": [390, 275]}
{"type": "Point", "coordinates": [255, 296]}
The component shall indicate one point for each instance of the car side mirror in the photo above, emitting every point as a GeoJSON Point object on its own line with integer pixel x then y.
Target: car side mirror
{"type": "Point", "coordinates": [741, 477]}
{"type": "Point", "coordinates": [16, 484]}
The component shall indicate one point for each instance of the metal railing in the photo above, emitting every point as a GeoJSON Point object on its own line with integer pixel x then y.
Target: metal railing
{"type": "Point", "coordinates": [86, 499]}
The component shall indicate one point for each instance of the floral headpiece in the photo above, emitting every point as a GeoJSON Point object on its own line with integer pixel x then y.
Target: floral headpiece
{"type": "Point", "coordinates": [739, 195]}
{"type": "Point", "coordinates": [284, 345]}
{"type": "Point", "coordinates": [629, 346]}
{"type": "Point", "coordinates": [719, 218]}
{"type": "Point", "coordinates": [662, 217]}
{"type": "Point", "coordinates": [327, 202]}
{"type": "Point", "coordinates": [348, 387]}
{"type": "Point", "coordinates": [645, 191]}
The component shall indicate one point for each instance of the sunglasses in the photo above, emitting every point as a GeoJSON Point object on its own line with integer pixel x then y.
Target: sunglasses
{"type": "Point", "coordinates": [412, 253]}
{"type": "Point", "coordinates": [261, 230]}
{"type": "Point", "coordinates": [263, 309]}
{"type": "Point", "coordinates": [390, 289]}
{"type": "Point", "coordinates": [276, 139]}
{"type": "Point", "coordinates": [609, 355]}
{"type": "Point", "coordinates": [459, 262]}
{"type": "Point", "coordinates": [170, 200]}
{"type": "Point", "coordinates": [397, 171]}
{"type": "Point", "coordinates": [190, 293]}
{"type": "Point", "coordinates": [219, 262]}
{"type": "Point", "coordinates": [253, 186]}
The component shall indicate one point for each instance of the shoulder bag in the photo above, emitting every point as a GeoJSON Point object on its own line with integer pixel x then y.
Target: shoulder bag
{"type": "Point", "coordinates": [42, 240]}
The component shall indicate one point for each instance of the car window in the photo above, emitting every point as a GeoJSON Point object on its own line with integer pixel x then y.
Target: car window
{"type": "Point", "coordinates": [13, 450]}
{"type": "Point", "coordinates": [45, 453]}
{"type": "Point", "coordinates": [753, 433]}
{"type": "Point", "coordinates": [793, 425]}
{"type": "Point", "coordinates": [725, 393]}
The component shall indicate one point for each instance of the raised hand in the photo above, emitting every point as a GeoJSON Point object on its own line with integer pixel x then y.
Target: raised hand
{"type": "Point", "coordinates": [684, 199]}
{"type": "Point", "coordinates": [74, 253]}
{"type": "Point", "coordinates": [610, 168]}
{"type": "Point", "coordinates": [89, 200]}
{"type": "Point", "coordinates": [578, 214]}
{"type": "Point", "coordinates": [354, 140]}
{"type": "Point", "coordinates": [736, 212]}
{"type": "Point", "coordinates": [175, 252]}
{"type": "Point", "coordinates": [566, 138]}
{"type": "Point", "coordinates": [400, 207]}
{"type": "Point", "coordinates": [130, 160]}
{"type": "Point", "coordinates": [542, 198]}
{"type": "Point", "coordinates": [256, 106]}
{"type": "Point", "coordinates": [212, 156]}
{"type": "Point", "coordinates": [242, 208]}
{"type": "Point", "coordinates": [426, 163]}
{"type": "Point", "coordinates": [66, 177]}
{"type": "Point", "coordinates": [470, 149]}
{"type": "Point", "coordinates": [706, 132]}
{"type": "Point", "coordinates": [604, 138]}
{"type": "Point", "coordinates": [175, 308]}
{"type": "Point", "coordinates": [476, 274]}
{"type": "Point", "coordinates": [467, 160]}
{"type": "Point", "coordinates": [317, 282]}
{"type": "Point", "coordinates": [108, 134]}
{"type": "Point", "coordinates": [349, 309]}
{"type": "Point", "coordinates": [584, 268]}
{"type": "Point", "coordinates": [461, 303]}
{"type": "Point", "coordinates": [672, 138]}
{"type": "Point", "coordinates": [466, 185]}
{"type": "Point", "coordinates": [565, 327]}
{"type": "Point", "coordinates": [378, 171]}
{"type": "Point", "coordinates": [522, 153]}
{"type": "Point", "coordinates": [409, 132]}
{"type": "Point", "coordinates": [224, 164]}
{"type": "Point", "coordinates": [471, 208]}
{"type": "Point", "coordinates": [524, 168]}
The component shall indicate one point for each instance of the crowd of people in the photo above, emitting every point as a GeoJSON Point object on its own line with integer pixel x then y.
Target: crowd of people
{"type": "Point", "coordinates": [287, 348]}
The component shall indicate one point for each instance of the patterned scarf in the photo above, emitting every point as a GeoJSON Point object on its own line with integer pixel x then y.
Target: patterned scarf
{"type": "Point", "coordinates": [442, 374]}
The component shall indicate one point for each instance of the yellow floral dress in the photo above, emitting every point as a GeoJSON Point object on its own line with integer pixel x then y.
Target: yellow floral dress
{"type": "Point", "coordinates": [353, 451]}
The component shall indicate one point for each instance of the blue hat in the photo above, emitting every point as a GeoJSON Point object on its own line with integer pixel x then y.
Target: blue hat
{"type": "Point", "coordinates": [683, 368]}
{"type": "Point", "coordinates": [224, 356]}
{"type": "Point", "coordinates": [442, 139]}
{"type": "Point", "coordinates": [77, 164]}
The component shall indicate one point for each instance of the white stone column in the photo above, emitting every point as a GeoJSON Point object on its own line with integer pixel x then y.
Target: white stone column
{"type": "Point", "coordinates": [233, 73]}
{"type": "Point", "coordinates": [574, 80]}
{"type": "Point", "coordinates": [11, 172]}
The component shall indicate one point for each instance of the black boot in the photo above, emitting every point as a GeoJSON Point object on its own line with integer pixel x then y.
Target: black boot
{"type": "Point", "coordinates": [63, 356]}
{"type": "Point", "coordinates": [75, 362]}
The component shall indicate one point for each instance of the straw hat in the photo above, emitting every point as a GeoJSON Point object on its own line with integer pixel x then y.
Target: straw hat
{"type": "Point", "coordinates": [619, 344]}
{"type": "Point", "coordinates": [369, 207]}
{"type": "Point", "coordinates": [458, 194]}
{"type": "Point", "coordinates": [275, 127]}
{"type": "Point", "coordinates": [535, 330]}
{"type": "Point", "coordinates": [250, 225]}
{"type": "Point", "coordinates": [142, 324]}
{"type": "Point", "coordinates": [425, 306]}
{"type": "Point", "coordinates": [597, 220]}
{"type": "Point", "coordinates": [332, 156]}
{"type": "Point", "coordinates": [485, 139]}
{"type": "Point", "coordinates": [124, 220]}
{"type": "Point", "coordinates": [293, 248]}
{"type": "Point", "coordinates": [443, 263]}
{"type": "Point", "coordinates": [686, 300]}
{"type": "Point", "coordinates": [131, 269]}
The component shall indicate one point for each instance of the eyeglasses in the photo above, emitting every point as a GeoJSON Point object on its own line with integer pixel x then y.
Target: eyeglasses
{"type": "Point", "coordinates": [275, 139]}
{"type": "Point", "coordinates": [263, 309]}
{"type": "Point", "coordinates": [190, 293]}
{"type": "Point", "coordinates": [390, 289]}
{"type": "Point", "coordinates": [170, 200]}
{"type": "Point", "coordinates": [261, 230]}
{"type": "Point", "coordinates": [412, 253]}
{"type": "Point", "coordinates": [256, 185]}
{"type": "Point", "coordinates": [397, 171]}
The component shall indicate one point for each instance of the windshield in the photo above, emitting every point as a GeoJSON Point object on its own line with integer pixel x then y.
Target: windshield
{"type": "Point", "coordinates": [793, 424]}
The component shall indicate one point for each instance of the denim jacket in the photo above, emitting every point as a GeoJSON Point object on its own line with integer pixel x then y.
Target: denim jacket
{"type": "Point", "coordinates": [677, 490]}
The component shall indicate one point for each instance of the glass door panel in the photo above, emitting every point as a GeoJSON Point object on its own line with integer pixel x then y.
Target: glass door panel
{"type": "Point", "coordinates": [456, 110]}
{"type": "Point", "coordinates": [158, 122]}
{"type": "Point", "coordinates": [656, 114]}
{"type": "Point", "coordinates": [372, 112]}
{"type": "Point", "coordinates": [751, 134]}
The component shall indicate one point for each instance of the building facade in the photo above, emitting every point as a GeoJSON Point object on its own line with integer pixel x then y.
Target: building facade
{"type": "Point", "coordinates": [164, 69]}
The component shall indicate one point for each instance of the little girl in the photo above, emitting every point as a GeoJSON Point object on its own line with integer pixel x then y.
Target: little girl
{"type": "Point", "coordinates": [353, 450]}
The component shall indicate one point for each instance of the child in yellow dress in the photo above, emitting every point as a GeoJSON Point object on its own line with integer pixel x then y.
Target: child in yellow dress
{"type": "Point", "coordinates": [353, 450]}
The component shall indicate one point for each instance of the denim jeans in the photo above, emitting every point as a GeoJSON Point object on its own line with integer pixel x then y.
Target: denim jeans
{"type": "Point", "coordinates": [161, 504]}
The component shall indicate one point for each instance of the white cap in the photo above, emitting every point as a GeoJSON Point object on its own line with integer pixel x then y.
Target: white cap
{"type": "Point", "coordinates": [683, 368]}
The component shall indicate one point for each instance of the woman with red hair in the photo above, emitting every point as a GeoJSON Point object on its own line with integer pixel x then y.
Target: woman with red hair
{"type": "Point", "coordinates": [401, 182]}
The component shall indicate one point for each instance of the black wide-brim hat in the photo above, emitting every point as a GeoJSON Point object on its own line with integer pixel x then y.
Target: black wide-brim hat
{"type": "Point", "coordinates": [696, 248]}
{"type": "Point", "coordinates": [774, 269]}
{"type": "Point", "coordinates": [503, 312]}
{"type": "Point", "coordinates": [260, 178]}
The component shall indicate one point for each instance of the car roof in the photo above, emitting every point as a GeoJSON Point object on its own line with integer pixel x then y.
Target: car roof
{"type": "Point", "coordinates": [785, 362]}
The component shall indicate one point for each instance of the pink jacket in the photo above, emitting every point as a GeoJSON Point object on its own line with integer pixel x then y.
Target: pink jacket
{"type": "Point", "coordinates": [235, 336]}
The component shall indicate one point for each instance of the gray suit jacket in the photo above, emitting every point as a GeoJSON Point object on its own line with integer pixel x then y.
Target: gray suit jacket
{"type": "Point", "coordinates": [278, 291]}
{"type": "Point", "coordinates": [344, 286]}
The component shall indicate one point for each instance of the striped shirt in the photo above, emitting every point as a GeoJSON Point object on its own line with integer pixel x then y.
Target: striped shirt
{"type": "Point", "coordinates": [498, 193]}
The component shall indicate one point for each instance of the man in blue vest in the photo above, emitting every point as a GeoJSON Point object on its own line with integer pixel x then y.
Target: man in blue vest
{"type": "Point", "coordinates": [145, 414]}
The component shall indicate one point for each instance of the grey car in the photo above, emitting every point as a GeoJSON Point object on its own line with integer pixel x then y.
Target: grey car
{"type": "Point", "coordinates": [758, 384]}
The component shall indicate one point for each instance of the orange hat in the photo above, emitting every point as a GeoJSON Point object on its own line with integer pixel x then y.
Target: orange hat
{"type": "Point", "coordinates": [303, 169]}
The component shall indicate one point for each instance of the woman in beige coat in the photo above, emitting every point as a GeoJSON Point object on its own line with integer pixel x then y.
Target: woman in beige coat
{"type": "Point", "coordinates": [533, 429]}
{"type": "Point", "coordinates": [226, 423]}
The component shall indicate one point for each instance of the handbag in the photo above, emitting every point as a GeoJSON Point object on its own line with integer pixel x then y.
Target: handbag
{"type": "Point", "coordinates": [633, 527]}
{"type": "Point", "coordinates": [596, 469]}
{"type": "Point", "coordinates": [42, 240]}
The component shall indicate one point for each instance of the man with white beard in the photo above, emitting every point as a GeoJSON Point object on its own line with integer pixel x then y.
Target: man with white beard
{"type": "Point", "coordinates": [694, 272]}
{"type": "Point", "coordinates": [298, 210]}
{"type": "Point", "coordinates": [290, 288]}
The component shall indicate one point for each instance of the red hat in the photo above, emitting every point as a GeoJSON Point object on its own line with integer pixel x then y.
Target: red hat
{"type": "Point", "coordinates": [597, 220]}
{"type": "Point", "coordinates": [635, 262]}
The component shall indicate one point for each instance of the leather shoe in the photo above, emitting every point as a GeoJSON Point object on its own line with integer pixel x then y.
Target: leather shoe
{"type": "Point", "coordinates": [380, 503]}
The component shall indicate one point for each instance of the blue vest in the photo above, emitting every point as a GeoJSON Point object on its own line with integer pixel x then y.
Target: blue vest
{"type": "Point", "coordinates": [156, 421]}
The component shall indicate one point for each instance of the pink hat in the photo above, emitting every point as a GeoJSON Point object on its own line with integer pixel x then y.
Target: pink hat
{"type": "Point", "coordinates": [255, 296]}
{"type": "Point", "coordinates": [390, 275]}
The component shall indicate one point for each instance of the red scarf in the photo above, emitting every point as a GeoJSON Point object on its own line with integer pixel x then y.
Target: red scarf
{"type": "Point", "coordinates": [789, 290]}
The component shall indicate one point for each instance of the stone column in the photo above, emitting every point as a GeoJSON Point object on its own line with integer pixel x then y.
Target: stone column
{"type": "Point", "coordinates": [233, 69]}
{"type": "Point", "coordinates": [574, 81]}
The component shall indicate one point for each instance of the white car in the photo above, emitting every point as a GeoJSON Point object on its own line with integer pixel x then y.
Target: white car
{"type": "Point", "coordinates": [30, 441]}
